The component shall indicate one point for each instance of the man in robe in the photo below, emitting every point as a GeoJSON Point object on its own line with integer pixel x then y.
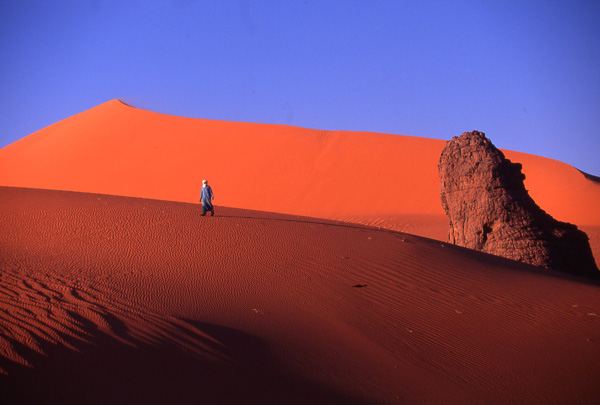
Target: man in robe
{"type": "Point", "coordinates": [206, 197]}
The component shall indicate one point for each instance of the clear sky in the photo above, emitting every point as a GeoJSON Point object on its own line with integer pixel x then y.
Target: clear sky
{"type": "Point", "coordinates": [527, 73]}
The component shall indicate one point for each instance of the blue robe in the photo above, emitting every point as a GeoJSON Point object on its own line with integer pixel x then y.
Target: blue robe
{"type": "Point", "coordinates": [206, 195]}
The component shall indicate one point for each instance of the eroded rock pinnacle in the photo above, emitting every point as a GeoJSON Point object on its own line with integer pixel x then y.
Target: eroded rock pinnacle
{"type": "Point", "coordinates": [490, 210]}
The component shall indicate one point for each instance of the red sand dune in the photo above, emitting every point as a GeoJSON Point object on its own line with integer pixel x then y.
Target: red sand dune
{"type": "Point", "coordinates": [369, 178]}
{"type": "Point", "coordinates": [110, 299]}
{"type": "Point", "coordinates": [119, 150]}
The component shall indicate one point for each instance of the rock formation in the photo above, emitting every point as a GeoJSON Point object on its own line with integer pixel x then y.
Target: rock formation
{"type": "Point", "coordinates": [490, 210]}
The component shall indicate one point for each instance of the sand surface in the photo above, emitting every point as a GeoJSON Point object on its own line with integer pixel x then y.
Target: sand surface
{"type": "Point", "coordinates": [322, 279]}
{"type": "Point", "coordinates": [109, 299]}
{"type": "Point", "coordinates": [388, 181]}
{"type": "Point", "coordinates": [117, 149]}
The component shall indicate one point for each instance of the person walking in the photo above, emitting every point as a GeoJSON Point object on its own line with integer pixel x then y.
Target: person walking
{"type": "Point", "coordinates": [206, 197]}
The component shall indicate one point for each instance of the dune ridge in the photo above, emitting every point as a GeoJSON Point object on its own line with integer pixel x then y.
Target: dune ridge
{"type": "Point", "coordinates": [266, 307]}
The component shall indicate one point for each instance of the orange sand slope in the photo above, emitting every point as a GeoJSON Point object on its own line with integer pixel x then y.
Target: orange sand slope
{"type": "Point", "coordinates": [370, 177]}
{"type": "Point", "coordinates": [120, 300]}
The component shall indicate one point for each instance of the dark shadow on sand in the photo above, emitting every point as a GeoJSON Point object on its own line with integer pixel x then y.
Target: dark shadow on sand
{"type": "Point", "coordinates": [108, 371]}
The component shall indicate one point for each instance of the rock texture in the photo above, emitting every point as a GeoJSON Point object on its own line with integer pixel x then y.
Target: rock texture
{"type": "Point", "coordinates": [490, 210]}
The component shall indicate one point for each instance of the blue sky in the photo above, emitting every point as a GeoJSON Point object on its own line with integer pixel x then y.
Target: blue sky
{"type": "Point", "coordinates": [527, 73]}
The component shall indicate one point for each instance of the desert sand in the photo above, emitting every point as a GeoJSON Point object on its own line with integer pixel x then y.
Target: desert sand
{"type": "Point", "coordinates": [303, 289]}
{"type": "Point", "coordinates": [369, 178]}
{"type": "Point", "coordinates": [120, 150]}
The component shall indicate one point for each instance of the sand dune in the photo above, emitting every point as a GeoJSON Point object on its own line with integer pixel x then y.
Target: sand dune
{"type": "Point", "coordinates": [368, 178]}
{"type": "Point", "coordinates": [119, 150]}
{"type": "Point", "coordinates": [120, 300]}
{"type": "Point", "coordinates": [117, 291]}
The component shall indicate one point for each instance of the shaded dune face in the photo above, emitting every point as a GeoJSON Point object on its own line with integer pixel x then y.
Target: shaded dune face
{"type": "Point", "coordinates": [102, 298]}
{"type": "Point", "coordinates": [113, 299]}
